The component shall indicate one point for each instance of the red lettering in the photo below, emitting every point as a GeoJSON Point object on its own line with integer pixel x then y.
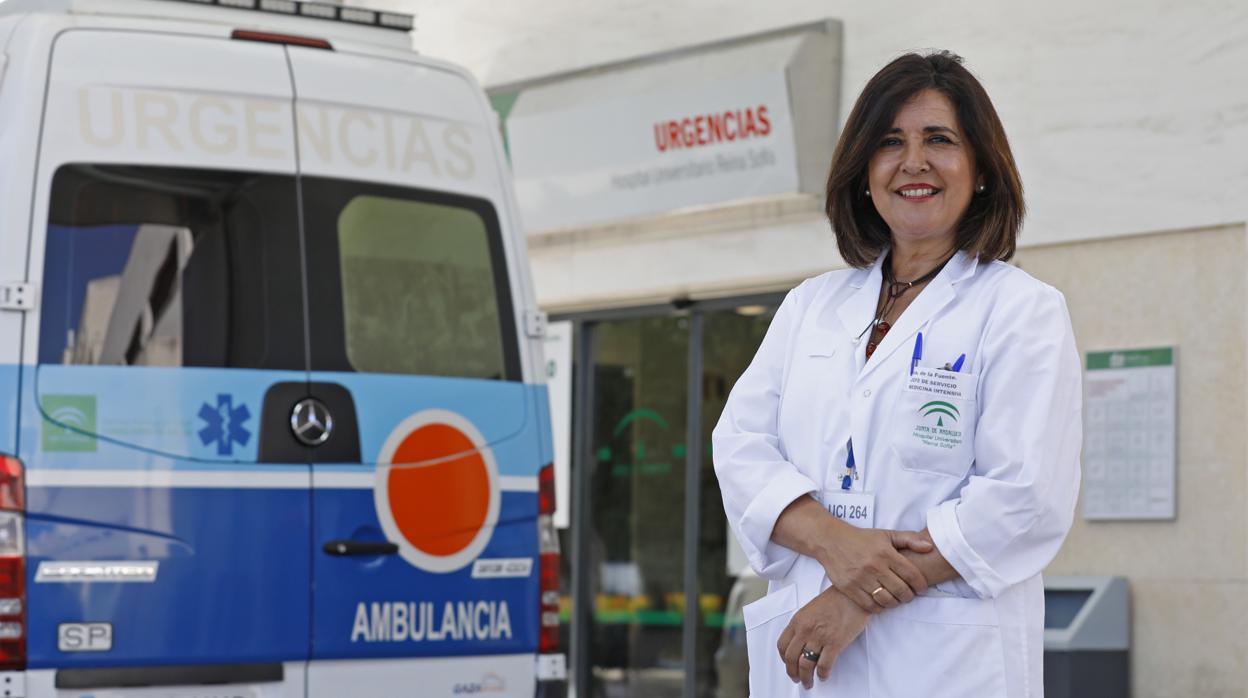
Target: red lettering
{"type": "Point", "coordinates": [707, 129]}
{"type": "Point", "coordinates": [717, 127]}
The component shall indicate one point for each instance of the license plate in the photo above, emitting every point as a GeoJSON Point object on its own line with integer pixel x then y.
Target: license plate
{"type": "Point", "coordinates": [84, 637]}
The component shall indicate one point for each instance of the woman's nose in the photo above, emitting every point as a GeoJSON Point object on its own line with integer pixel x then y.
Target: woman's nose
{"type": "Point", "coordinates": [915, 161]}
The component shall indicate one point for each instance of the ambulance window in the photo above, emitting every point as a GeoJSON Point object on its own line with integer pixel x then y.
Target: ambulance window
{"type": "Point", "coordinates": [150, 266]}
{"type": "Point", "coordinates": [420, 279]}
{"type": "Point", "coordinates": [418, 291]}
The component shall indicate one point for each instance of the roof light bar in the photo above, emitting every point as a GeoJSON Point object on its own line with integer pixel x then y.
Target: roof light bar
{"type": "Point", "coordinates": [353, 14]}
{"type": "Point", "coordinates": [396, 21]}
{"type": "Point", "coordinates": [318, 10]}
{"type": "Point", "coordinates": [286, 7]}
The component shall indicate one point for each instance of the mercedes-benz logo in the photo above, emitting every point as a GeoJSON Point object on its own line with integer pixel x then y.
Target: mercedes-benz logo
{"type": "Point", "coordinates": [311, 422]}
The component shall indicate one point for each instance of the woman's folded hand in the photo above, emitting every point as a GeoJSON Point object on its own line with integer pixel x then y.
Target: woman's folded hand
{"type": "Point", "coordinates": [865, 565]}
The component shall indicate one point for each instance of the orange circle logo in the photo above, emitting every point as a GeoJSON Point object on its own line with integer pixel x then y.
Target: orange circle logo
{"type": "Point", "coordinates": [437, 492]}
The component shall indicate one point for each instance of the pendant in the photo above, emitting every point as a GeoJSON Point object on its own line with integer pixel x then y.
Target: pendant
{"type": "Point", "coordinates": [883, 327]}
{"type": "Point", "coordinates": [870, 349]}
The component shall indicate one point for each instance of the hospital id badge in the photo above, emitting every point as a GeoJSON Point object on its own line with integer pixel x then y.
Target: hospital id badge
{"type": "Point", "coordinates": [854, 508]}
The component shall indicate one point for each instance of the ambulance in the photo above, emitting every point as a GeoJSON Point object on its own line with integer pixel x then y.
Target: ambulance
{"type": "Point", "coordinates": [273, 419]}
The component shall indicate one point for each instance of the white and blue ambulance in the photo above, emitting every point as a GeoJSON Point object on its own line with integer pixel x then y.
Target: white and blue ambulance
{"type": "Point", "coordinates": [272, 412]}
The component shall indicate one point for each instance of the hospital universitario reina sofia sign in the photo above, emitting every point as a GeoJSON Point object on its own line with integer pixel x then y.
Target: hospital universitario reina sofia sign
{"type": "Point", "coordinates": [706, 127]}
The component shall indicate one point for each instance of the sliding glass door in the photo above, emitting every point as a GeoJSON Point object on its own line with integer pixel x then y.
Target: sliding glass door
{"type": "Point", "coordinates": [650, 564]}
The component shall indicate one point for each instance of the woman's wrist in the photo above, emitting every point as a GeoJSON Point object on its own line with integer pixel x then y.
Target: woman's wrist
{"type": "Point", "coordinates": [826, 546]}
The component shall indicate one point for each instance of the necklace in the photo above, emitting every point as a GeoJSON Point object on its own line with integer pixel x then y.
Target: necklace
{"type": "Point", "coordinates": [895, 289]}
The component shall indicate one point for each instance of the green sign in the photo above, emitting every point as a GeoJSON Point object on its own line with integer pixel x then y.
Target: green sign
{"type": "Point", "coordinates": [69, 422]}
{"type": "Point", "coordinates": [1130, 358]}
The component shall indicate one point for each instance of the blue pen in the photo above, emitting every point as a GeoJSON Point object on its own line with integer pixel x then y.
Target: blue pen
{"type": "Point", "coordinates": [848, 481]}
{"type": "Point", "coordinates": [918, 352]}
{"type": "Point", "coordinates": [957, 365]}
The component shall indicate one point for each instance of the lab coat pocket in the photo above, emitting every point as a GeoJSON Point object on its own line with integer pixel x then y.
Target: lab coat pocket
{"type": "Point", "coordinates": [933, 423]}
{"type": "Point", "coordinates": [951, 648]}
{"type": "Point", "coordinates": [765, 619]}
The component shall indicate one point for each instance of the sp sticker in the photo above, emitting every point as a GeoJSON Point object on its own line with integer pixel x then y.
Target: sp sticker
{"type": "Point", "coordinates": [437, 491]}
{"type": "Point", "coordinates": [84, 637]}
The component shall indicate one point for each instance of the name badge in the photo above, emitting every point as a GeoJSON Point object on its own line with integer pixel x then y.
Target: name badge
{"type": "Point", "coordinates": [939, 383]}
{"type": "Point", "coordinates": [854, 508]}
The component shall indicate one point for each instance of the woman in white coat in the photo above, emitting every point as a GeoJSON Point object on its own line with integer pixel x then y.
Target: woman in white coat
{"type": "Point", "coordinates": [901, 457]}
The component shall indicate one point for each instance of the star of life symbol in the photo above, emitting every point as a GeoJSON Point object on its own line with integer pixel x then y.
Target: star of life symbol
{"type": "Point", "coordinates": [225, 424]}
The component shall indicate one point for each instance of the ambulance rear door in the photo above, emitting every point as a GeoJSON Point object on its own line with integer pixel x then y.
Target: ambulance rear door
{"type": "Point", "coordinates": [169, 503]}
{"type": "Point", "coordinates": [425, 545]}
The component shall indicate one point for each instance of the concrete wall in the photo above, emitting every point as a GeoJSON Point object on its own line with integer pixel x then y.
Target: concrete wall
{"type": "Point", "coordinates": [1188, 577]}
{"type": "Point", "coordinates": [1125, 116]}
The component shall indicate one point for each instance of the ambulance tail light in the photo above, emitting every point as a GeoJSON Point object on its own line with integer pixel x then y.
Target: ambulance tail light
{"type": "Point", "coordinates": [548, 552]}
{"type": "Point", "coordinates": [546, 490]}
{"type": "Point", "coordinates": [12, 564]}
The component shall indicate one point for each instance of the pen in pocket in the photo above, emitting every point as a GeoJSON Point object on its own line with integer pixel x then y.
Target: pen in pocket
{"type": "Point", "coordinates": [957, 365]}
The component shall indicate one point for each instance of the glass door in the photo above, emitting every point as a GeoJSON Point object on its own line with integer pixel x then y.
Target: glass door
{"type": "Point", "coordinates": [655, 616]}
{"type": "Point", "coordinates": [634, 515]}
{"type": "Point", "coordinates": [730, 337]}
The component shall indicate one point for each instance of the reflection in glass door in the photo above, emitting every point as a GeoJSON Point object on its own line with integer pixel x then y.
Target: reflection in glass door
{"type": "Point", "coordinates": [635, 512]}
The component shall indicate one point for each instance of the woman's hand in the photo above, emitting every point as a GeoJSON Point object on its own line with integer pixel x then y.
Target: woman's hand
{"type": "Point", "coordinates": [866, 565]}
{"type": "Point", "coordinates": [857, 560]}
{"type": "Point", "coordinates": [825, 626]}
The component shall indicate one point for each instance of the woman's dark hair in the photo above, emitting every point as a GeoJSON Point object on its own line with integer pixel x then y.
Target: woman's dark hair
{"type": "Point", "coordinates": [989, 228]}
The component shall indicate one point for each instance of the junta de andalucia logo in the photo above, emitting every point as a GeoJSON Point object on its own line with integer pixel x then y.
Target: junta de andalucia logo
{"type": "Point", "coordinates": [944, 433]}
{"type": "Point", "coordinates": [941, 409]}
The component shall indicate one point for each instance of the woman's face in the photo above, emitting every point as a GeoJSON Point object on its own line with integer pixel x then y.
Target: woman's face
{"type": "Point", "coordinates": [923, 173]}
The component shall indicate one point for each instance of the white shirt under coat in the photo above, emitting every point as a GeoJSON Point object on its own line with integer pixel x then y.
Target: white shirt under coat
{"type": "Point", "coordinates": [998, 507]}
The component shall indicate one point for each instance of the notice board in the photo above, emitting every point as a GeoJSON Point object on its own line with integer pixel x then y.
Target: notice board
{"type": "Point", "coordinates": [1129, 434]}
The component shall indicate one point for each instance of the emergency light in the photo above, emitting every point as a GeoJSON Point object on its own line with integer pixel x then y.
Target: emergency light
{"type": "Point", "coordinates": [318, 10]}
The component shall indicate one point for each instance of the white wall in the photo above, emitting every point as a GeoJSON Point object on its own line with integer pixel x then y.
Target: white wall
{"type": "Point", "coordinates": [1124, 116]}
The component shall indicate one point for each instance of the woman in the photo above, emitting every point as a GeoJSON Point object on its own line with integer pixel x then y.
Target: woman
{"type": "Point", "coordinates": [901, 458]}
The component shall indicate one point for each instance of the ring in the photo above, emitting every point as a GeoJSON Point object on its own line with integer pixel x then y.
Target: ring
{"type": "Point", "coordinates": [876, 592]}
{"type": "Point", "coordinates": [810, 654]}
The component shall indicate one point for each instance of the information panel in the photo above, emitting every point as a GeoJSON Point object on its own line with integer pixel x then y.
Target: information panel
{"type": "Point", "coordinates": [1129, 435]}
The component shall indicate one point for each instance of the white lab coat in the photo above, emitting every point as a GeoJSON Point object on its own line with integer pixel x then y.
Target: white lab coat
{"type": "Point", "coordinates": [998, 507]}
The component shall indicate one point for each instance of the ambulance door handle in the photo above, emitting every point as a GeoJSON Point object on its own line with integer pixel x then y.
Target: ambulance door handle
{"type": "Point", "coordinates": [360, 547]}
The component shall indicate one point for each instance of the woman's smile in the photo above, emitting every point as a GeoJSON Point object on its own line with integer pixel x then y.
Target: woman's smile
{"type": "Point", "coordinates": [918, 193]}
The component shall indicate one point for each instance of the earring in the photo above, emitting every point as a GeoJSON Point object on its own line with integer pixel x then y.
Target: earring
{"type": "Point", "coordinates": [867, 193]}
{"type": "Point", "coordinates": [980, 188]}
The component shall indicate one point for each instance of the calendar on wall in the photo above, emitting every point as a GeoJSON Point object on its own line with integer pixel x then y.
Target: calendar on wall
{"type": "Point", "coordinates": [1129, 435]}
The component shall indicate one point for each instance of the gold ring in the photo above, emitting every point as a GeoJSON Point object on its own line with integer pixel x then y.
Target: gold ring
{"type": "Point", "coordinates": [876, 592]}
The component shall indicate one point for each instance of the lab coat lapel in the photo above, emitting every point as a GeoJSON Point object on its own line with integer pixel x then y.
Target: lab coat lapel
{"type": "Point", "coordinates": [857, 312]}
{"type": "Point", "coordinates": [931, 299]}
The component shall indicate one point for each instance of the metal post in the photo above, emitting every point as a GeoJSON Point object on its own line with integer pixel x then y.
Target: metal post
{"type": "Point", "coordinates": [582, 471]}
{"type": "Point", "coordinates": [693, 509]}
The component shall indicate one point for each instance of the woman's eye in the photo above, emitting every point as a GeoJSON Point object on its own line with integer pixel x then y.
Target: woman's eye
{"type": "Point", "coordinates": [939, 139]}
{"type": "Point", "coordinates": [890, 142]}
